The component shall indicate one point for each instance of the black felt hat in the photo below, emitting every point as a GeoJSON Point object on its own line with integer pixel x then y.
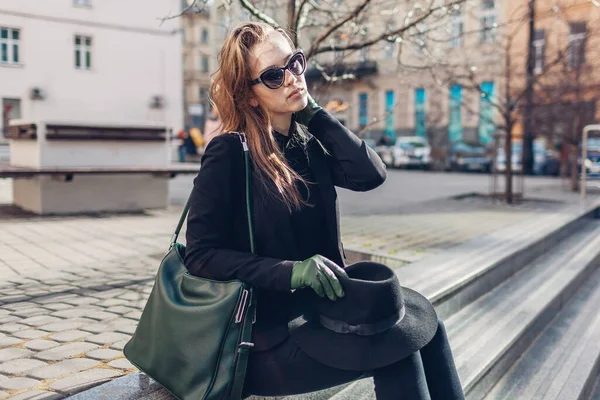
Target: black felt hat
{"type": "Point", "coordinates": [376, 323]}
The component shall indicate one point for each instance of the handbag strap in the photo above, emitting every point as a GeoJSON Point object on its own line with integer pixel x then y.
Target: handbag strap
{"type": "Point", "coordinates": [249, 207]}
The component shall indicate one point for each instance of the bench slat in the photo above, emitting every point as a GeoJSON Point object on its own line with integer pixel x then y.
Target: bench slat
{"type": "Point", "coordinates": [20, 172]}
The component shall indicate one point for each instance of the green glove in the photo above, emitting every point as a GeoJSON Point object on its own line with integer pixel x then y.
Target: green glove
{"type": "Point", "coordinates": [305, 115]}
{"type": "Point", "coordinates": [321, 275]}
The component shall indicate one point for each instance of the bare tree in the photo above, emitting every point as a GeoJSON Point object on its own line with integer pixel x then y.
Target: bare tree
{"type": "Point", "coordinates": [509, 56]}
{"type": "Point", "coordinates": [566, 100]}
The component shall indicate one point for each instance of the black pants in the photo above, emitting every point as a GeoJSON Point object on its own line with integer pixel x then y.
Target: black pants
{"type": "Point", "coordinates": [285, 369]}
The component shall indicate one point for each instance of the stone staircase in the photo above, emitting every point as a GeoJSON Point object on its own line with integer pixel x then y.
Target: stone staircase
{"type": "Point", "coordinates": [520, 310]}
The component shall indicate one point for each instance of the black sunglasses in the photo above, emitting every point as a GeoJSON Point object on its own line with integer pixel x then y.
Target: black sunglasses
{"type": "Point", "coordinates": [274, 77]}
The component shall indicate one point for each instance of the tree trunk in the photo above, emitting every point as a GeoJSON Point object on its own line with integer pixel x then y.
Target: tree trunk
{"type": "Point", "coordinates": [508, 153]}
{"type": "Point", "coordinates": [574, 167]}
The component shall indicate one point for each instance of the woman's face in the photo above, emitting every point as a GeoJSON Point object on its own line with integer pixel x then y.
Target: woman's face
{"type": "Point", "coordinates": [275, 51]}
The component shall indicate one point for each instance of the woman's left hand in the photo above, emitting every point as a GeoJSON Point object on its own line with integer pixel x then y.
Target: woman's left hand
{"type": "Point", "coordinates": [305, 115]}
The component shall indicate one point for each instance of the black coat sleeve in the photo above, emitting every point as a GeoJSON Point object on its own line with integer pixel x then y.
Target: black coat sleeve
{"type": "Point", "coordinates": [353, 164]}
{"type": "Point", "coordinates": [218, 190]}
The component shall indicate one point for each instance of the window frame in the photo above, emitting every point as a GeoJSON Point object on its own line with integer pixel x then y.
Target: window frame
{"type": "Point", "coordinates": [576, 60]}
{"type": "Point", "coordinates": [390, 123]}
{"type": "Point", "coordinates": [487, 14]}
{"type": "Point", "coordinates": [539, 50]}
{"type": "Point", "coordinates": [420, 109]}
{"type": "Point", "coordinates": [363, 109]}
{"type": "Point", "coordinates": [11, 43]}
{"type": "Point", "coordinates": [204, 63]}
{"type": "Point", "coordinates": [84, 51]}
{"type": "Point", "coordinates": [458, 28]}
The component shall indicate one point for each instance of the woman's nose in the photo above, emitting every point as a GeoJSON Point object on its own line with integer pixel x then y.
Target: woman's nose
{"type": "Point", "coordinates": [288, 75]}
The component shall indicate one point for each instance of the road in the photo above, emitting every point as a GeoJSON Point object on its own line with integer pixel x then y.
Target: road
{"type": "Point", "coordinates": [400, 189]}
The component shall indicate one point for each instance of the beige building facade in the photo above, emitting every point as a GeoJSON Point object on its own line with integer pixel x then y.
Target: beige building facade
{"type": "Point", "coordinates": [198, 62]}
{"type": "Point", "coordinates": [417, 86]}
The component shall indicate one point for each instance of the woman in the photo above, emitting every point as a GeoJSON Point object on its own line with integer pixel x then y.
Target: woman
{"type": "Point", "coordinates": [260, 90]}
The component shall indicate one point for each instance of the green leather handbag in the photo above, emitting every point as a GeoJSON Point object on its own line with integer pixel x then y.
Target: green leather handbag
{"type": "Point", "coordinates": [194, 334]}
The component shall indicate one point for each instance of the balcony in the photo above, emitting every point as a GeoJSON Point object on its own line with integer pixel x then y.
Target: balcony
{"type": "Point", "coordinates": [358, 69]}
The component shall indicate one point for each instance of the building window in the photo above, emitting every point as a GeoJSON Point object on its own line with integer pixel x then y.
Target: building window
{"type": "Point", "coordinates": [420, 98]}
{"type": "Point", "coordinates": [204, 36]}
{"type": "Point", "coordinates": [389, 112]}
{"type": "Point", "coordinates": [539, 49]}
{"type": "Point", "coordinates": [487, 126]}
{"type": "Point", "coordinates": [203, 63]}
{"type": "Point", "coordinates": [9, 45]}
{"type": "Point", "coordinates": [455, 129]}
{"type": "Point", "coordinates": [488, 21]}
{"type": "Point", "coordinates": [364, 54]}
{"type": "Point", "coordinates": [363, 110]}
{"type": "Point", "coordinates": [203, 95]}
{"type": "Point", "coordinates": [11, 109]}
{"type": "Point", "coordinates": [83, 52]}
{"type": "Point", "coordinates": [419, 41]}
{"type": "Point", "coordinates": [458, 28]}
{"type": "Point", "coordinates": [390, 47]}
{"type": "Point", "coordinates": [576, 44]}
{"type": "Point", "coordinates": [336, 42]}
{"type": "Point", "coordinates": [82, 3]}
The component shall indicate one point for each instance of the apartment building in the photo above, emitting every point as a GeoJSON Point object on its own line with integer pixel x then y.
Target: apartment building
{"type": "Point", "coordinates": [198, 62]}
{"type": "Point", "coordinates": [415, 86]}
{"type": "Point", "coordinates": [566, 68]}
{"type": "Point", "coordinates": [109, 61]}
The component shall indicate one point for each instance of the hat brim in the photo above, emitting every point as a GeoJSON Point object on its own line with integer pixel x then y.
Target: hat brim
{"type": "Point", "coordinates": [365, 353]}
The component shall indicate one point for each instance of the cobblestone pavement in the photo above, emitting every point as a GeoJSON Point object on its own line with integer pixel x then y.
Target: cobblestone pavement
{"type": "Point", "coordinates": [62, 335]}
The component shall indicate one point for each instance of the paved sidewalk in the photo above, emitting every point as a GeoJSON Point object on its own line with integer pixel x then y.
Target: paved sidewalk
{"type": "Point", "coordinates": [72, 288]}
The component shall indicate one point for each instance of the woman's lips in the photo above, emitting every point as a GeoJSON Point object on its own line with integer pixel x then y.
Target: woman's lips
{"type": "Point", "coordinates": [295, 93]}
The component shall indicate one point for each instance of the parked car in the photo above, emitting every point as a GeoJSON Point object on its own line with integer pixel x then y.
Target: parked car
{"type": "Point", "coordinates": [467, 157]}
{"type": "Point", "coordinates": [516, 157]}
{"type": "Point", "coordinates": [592, 162]}
{"type": "Point", "coordinates": [410, 151]}
{"type": "Point", "coordinates": [545, 161]}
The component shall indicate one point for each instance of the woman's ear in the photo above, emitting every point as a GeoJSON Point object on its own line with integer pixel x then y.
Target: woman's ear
{"type": "Point", "coordinates": [253, 102]}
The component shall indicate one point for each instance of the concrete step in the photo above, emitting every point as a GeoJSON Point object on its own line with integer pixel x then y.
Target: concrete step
{"type": "Point", "coordinates": [488, 336]}
{"type": "Point", "coordinates": [564, 361]}
{"type": "Point", "coordinates": [460, 276]}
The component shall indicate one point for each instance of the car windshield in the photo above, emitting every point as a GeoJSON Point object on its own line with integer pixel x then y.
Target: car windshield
{"type": "Point", "coordinates": [465, 148]}
{"type": "Point", "coordinates": [594, 142]}
{"type": "Point", "coordinates": [539, 147]}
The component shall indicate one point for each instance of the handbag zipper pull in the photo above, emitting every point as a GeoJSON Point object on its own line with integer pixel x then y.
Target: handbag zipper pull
{"type": "Point", "coordinates": [239, 315]}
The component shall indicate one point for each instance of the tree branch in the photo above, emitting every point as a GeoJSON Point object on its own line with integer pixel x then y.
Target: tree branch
{"type": "Point", "coordinates": [258, 14]}
{"type": "Point", "coordinates": [192, 5]}
{"type": "Point", "coordinates": [336, 25]}
{"type": "Point", "coordinates": [384, 36]}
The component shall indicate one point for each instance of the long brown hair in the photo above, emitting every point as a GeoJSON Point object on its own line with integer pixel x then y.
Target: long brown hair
{"type": "Point", "coordinates": [229, 93]}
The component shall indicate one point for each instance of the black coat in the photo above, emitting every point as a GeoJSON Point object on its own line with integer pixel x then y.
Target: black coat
{"type": "Point", "coordinates": [218, 244]}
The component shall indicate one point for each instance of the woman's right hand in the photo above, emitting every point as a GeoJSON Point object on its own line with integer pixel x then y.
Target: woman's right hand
{"type": "Point", "coordinates": [320, 274]}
